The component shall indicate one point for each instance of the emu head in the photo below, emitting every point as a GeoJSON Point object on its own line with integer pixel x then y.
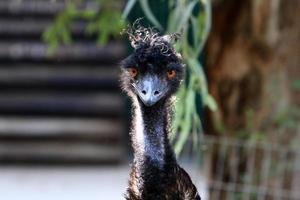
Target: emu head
{"type": "Point", "coordinates": [154, 71]}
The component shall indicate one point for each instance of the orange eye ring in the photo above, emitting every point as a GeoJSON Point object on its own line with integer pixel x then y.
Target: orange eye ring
{"type": "Point", "coordinates": [171, 74]}
{"type": "Point", "coordinates": [133, 72]}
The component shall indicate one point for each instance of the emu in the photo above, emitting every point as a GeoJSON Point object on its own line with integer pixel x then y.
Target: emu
{"type": "Point", "coordinates": [150, 76]}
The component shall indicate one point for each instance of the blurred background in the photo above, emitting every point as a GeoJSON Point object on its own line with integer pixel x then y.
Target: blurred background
{"type": "Point", "coordinates": [64, 121]}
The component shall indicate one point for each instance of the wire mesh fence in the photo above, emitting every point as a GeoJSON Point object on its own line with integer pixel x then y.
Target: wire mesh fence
{"type": "Point", "coordinates": [247, 170]}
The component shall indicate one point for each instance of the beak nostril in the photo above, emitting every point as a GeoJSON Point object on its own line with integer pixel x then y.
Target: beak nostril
{"type": "Point", "coordinates": [156, 92]}
{"type": "Point", "coordinates": [144, 92]}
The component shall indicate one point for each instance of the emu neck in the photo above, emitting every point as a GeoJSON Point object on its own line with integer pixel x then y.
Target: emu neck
{"type": "Point", "coordinates": [150, 136]}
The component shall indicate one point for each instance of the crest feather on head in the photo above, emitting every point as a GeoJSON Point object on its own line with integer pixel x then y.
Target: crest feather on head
{"type": "Point", "coordinates": [140, 36]}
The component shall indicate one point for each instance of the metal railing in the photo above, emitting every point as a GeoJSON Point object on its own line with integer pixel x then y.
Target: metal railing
{"type": "Point", "coordinates": [253, 170]}
{"type": "Point", "coordinates": [247, 170]}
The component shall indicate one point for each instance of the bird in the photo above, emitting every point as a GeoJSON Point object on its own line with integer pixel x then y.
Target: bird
{"type": "Point", "coordinates": [150, 76]}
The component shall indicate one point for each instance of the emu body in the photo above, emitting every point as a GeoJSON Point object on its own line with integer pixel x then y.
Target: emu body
{"type": "Point", "coordinates": [150, 77]}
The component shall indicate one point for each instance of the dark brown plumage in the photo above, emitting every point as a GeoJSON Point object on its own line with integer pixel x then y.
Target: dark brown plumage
{"type": "Point", "coordinates": [150, 76]}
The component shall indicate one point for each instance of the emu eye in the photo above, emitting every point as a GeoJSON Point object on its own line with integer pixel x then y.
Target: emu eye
{"type": "Point", "coordinates": [133, 72]}
{"type": "Point", "coordinates": [171, 74]}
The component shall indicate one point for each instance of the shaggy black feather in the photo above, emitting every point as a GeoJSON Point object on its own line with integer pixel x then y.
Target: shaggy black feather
{"type": "Point", "coordinates": [155, 174]}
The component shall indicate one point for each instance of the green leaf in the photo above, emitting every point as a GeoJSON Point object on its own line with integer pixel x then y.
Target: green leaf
{"type": "Point", "coordinates": [186, 16]}
{"type": "Point", "coordinates": [87, 14]}
{"type": "Point", "coordinates": [179, 110]}
{"type": "Point", "coordinates": [197, 129]}
{"type": "Point", "coordinates": [149, 14]}
{"type": "Point", "coordinates": [128, 8]}
{"type": "Point", "coordinates": [186, 123]}
{"type": "Point", "coordinates": [173, 19]}
{"type": "Point", "coordinates": [210, 102]}
{"type": "Point", "coordinates": [296, 84]}
{"type": "Point", "coordinates": [195, 29]}
{"type": "Point", "coordinates": [207, 27]}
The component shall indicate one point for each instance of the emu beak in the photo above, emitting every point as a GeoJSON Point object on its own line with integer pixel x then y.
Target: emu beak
{"type": "Point", "coordinates": [150, 89]}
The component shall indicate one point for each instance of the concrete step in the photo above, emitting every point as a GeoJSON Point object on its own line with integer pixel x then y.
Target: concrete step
{"type": "Point", "coordinates": [58, 76]}
{"type": "Point", "coordinates": [61, 103]}
{"type": "Point", "coordinates": [46, 127]}
{"type": "Point", "coordinates": [32, 27]}
{"type": "Point", "coordinates": [37, 51]}
{"type": "Point", "coordinates": [59, 152]}
{"type": "Point", "coordinates": [38, 7]}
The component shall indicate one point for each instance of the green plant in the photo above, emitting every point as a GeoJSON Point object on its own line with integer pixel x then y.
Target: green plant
{"type": "Point", "coordinates": [195, 27]}
{"type": "Point", "coordinates": [98, 22]}
{"type": "Point", "coordinates": [191, 18]}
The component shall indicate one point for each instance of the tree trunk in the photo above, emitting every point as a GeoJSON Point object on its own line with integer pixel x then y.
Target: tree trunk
{"type": "Point", "coordinates": [252, 61]}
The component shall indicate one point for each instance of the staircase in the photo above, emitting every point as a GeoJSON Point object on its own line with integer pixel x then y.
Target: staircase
{"type": "Point", "coordinates": [63, 108]}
